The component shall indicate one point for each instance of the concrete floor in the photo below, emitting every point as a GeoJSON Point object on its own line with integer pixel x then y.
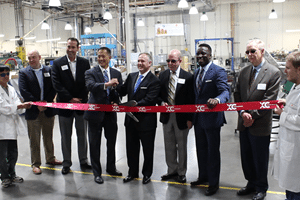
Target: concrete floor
{"type": "Point", "coordinates": [51, 184]}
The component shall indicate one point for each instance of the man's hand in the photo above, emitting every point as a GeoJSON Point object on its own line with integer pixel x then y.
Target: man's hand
{"type": "Point", "coordinates": [247, 117]}
{"type": "Point", "coordinates": [279, 108]}
{"type": "Point", "coordinates": [189, 124]}
{"type": "Point", "coordinates": [42, 108]}
{"type": "Point", "coordinates": [211, 103]}
{"type": "Point", "coordinates": [25, 105]}
{"type": "Point", "coordinates": [113, 82]}
{"type": "Point", "coordinates": [75, 100]}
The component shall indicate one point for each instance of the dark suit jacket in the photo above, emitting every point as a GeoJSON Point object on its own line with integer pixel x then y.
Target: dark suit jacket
{"type": "Point", "coordinates": [184, 94]}
{"type": "Point", "coordinates": [214, 85]}
{"type": "Point", "coordinates": [65, 85]}
{"type": "Point", "coordinates": [95, 84]}
{"type": "Point", "coordinates": [31, 91]}
{"type": "Point", "coordinates": [146, 95]}
{"type": "Point", "coordinates": [268, 75]}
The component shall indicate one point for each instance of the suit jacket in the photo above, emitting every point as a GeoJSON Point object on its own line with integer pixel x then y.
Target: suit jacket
{"type": "Point", "coordinates": [31, 91]}
{"type": "Point", "coordinates": [95, 84]}
{"type": "Point", "coordinates": [184, 94]}
{"type": "Point", "coordinates": [268, 75]}
{"type": "Point", "coordinates": [214, 85]}
{"type": "Point", "coordinates": [146, 95]}
{"type": "Point", "coordinates": [65, 85]}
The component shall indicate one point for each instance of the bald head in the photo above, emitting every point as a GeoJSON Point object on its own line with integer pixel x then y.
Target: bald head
{"type": "Point", "coordinates": [174, 59]}
{"type": "Point", "coordinates": [34, 58]}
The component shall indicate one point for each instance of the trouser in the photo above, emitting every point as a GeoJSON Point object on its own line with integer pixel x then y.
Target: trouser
{"type": "Point", "coordinates": [8, 158]}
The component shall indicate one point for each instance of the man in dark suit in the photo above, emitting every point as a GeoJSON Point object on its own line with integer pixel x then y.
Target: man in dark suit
{"type": "Point", "coordinates": [176, 89]}
{"type": "Point", "coordinates": [211, 88]}
{"type": "Point", "coordinates": [142, 87]}
{"type": "Point", "coordinates": [100, 81]}
{"type": "Point", "coordinates": [35, 85]}
{"type": "Point", "coordinates": [257, 82]}
{"type": "Point", "coordinates": [69, 83]}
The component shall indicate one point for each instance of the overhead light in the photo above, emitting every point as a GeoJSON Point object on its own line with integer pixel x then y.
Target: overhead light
{"type": "Point", "coordinates": [183, 4]}
{"type": "Point", "coordinates": [293, 30]}
{"type": "Point", "coordinates": [1, 35]}
{"type": "Point", "coordinates": [204, 17]}
{"type": "Point", "coordinates": [87, 29]}
{"type": "Point", "coordinates": [193, 10]}
{"type": "Point", "coordinates": [45, 25]}
{"type": "Point", "coordinates": [273, 14]}
{"type": "Point", "coordinates": [140, 22]}
{"type": "Point", "coordinates": [30, 38]}
{"type": "Point", "coordinates": [278, 1]}
{"type": "Point", "coordinates": [54, 3]}
{"type": "Point", "coordinates": [14, 39]}
{"type": "Point", "coordinates": [68, 26]}
{"type": "Point", "coordinates": [49, 40]}
{"type": "Point", "coordinates": [107, 15]}
{"type": "Point", "coordinates": [63, 42]}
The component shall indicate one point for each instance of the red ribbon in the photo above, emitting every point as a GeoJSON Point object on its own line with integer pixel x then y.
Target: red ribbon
{"type": "Point", "coordinates": [255, 105]}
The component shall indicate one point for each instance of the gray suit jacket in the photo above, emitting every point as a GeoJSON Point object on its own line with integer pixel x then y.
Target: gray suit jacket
{"type": "Point", "coordinates": [268, 75]}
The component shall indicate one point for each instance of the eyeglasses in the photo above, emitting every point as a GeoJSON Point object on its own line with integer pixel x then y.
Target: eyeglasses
{"type": "Point", "coordinates": [251, 51]}
{"type": "Point", "coordinates": [4, 74]}
{"type": "Point", "coordinates": [173, 61]}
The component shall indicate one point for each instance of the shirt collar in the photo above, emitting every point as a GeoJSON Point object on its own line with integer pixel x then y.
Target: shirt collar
{"type": "Point", "coordinates": [41, 67]}
{"type": "Point", "coordinates": [70, 60]}
{"type": "Point", "coordinates": [206, 67]}
{"type": "Point", "coordinates": [177, 71]}
{"type": "Point", "coordinates": [144, 74]}
{"type": "Point", "coordinates": [260, 65]}
{"type": "Point", "coordinates": [102, 69]}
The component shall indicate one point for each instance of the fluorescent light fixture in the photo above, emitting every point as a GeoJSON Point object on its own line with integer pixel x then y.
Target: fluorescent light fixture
{"type": "Point", "coordinates": [1, 35]}
{"type": "Point", "coordinates": [27, 38]}
{"type": "Point", "coordinates": [68, 26]}
{"type": "Point", "coordinates": [45, 25]}
{"type": "Point", "coordinates": [273, 14]}
{"type": "Point", "coordinates": [64, 42]}
{"type": "Point", "coordinates": [204, 17]}
{"type": "Point", "coordinates": [183, 4]}
{"type": "Point", "coordinates": [193, 10]}
{"type": "Point", "coordinates": [54, 3]}
{"type": "Point", "coordinates": [107, 15]}
{"type": "Point", "coordinates": [278, 1]}
{"type": "Point", "coordinates": [87, 29]}
{"type": "Point", "coordinates": [293, 30]}
{"type": "Point", "coordinates": [140, 22]}
{"type": "Point", "coordinates": [14, 39]}
{"type": "Point", "coordinates": [49, 40]}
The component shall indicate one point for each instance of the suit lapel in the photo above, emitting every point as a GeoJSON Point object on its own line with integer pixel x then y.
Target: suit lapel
{"type": "Point", "coordinates": [69, 72]}
{"type": "Point", "coordinates": [258, 79]}
{"type": "Point", "coordinates": [134, 79]}
{"type": "Point", "coordinates": [99, 74]}
{"type": "Point", "coordinates": [179, 85]}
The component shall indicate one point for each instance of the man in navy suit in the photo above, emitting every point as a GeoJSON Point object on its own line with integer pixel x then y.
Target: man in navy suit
{"type": "Point", "coordinates": [142, 87]}
{"type": "Point", "coordinates": [35, 85]}
{"type": "Point", "coordinates": [176, 89]}
{"type": "Point", "coordinates": [69, 82]}
{"type": "Point", "coordinates": [211, 88]}
{"type": "Point", "coordinates": [101, 82]}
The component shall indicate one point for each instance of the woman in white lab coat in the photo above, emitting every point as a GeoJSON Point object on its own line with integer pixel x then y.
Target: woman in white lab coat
{"type": "Point", "coordinates": [287, 155]}
{"type": "Point", "coordinates": [11, 126]}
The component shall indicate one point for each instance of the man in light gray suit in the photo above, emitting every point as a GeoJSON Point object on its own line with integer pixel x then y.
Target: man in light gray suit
{"type": "Point", "coordinates": [256, 82]}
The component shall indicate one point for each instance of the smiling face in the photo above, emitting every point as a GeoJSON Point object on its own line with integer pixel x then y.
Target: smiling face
{"type": "Point", "coordinates": [144, 63]}
{"type": "Point", "coordinates": [103, 58]}
{"type": "Point", "coordinates": [255, 53]}
{"type": "Point", "coordinates": [174, 60]}
{"type": "Point", "coordinates": [203, 56]}
{"type": "Point", "coordinates": [72, 48]}
{"type": "Point", "coordinates": [4, 78]}
{"type": "Point", "coordinates": [34, 59]}
{"type": "Point", "coordinates": [292, 73]}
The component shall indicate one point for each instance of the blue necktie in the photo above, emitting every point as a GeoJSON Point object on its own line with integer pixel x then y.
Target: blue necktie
{"type": "Point", "coordinates": [138, 83]}
{"type": "Point", "coordinates": [199, 79]}
{"type": "Point", "coordinates": [106, 80]}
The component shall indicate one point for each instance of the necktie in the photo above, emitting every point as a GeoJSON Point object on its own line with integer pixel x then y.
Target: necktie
{"type": "Point", "coordinates": [252, 77]}
{"type": "Point", "coordinates": [138, 83]}
{"type": "Point", "coordinates": [106, 80]}
{"type": "Point", "coordinates": [199, 79]}
{"type": "Point", "coordinates": [171, 89]}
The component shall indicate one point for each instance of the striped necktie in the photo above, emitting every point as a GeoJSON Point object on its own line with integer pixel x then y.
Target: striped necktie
{"type": "Point", "coordinates": [252, 77]}
{"type": "Point", "coordinates": [138, 83]}
{"type": "Point", "coordinates": [106, 80]}
{"type": "Point", "coordinates": [199, 79]}
{"type": "Point", "coordinates": [171, 89]}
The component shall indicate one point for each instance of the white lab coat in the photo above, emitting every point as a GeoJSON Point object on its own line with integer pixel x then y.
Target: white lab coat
{"type": "Point", "coordinates": [10, 121]}
{"type": "Point", "coordinates": [287, 154]}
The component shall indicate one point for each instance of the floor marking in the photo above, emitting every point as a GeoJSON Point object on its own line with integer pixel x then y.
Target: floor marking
{"type": "Point", "coordinates": [157, 181]}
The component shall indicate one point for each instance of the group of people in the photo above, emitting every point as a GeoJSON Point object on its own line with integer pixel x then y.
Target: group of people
{"type": "Point", "coordinates": [73, 81]}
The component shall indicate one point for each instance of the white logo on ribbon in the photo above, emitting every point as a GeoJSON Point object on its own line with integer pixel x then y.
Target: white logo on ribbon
{"type": "Point", "coordinates": [142, 109]}
{"type": "Point", "coordinates": [231, 106]}
{"type": "Point", "coordinates": [170, 109]}
{"type": "Point", "coordinates": [69, 106]}
{"type": "Point", "coordinates": [48, 104]}
{"type": "Point", "coordinates": [264, 105]}
{"type": "Point", "coordinates": [200, 108]}
{"type": "Point", "coordinates": [91, 107]}
{"type": "Point", "coordinates": [116, 108]}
